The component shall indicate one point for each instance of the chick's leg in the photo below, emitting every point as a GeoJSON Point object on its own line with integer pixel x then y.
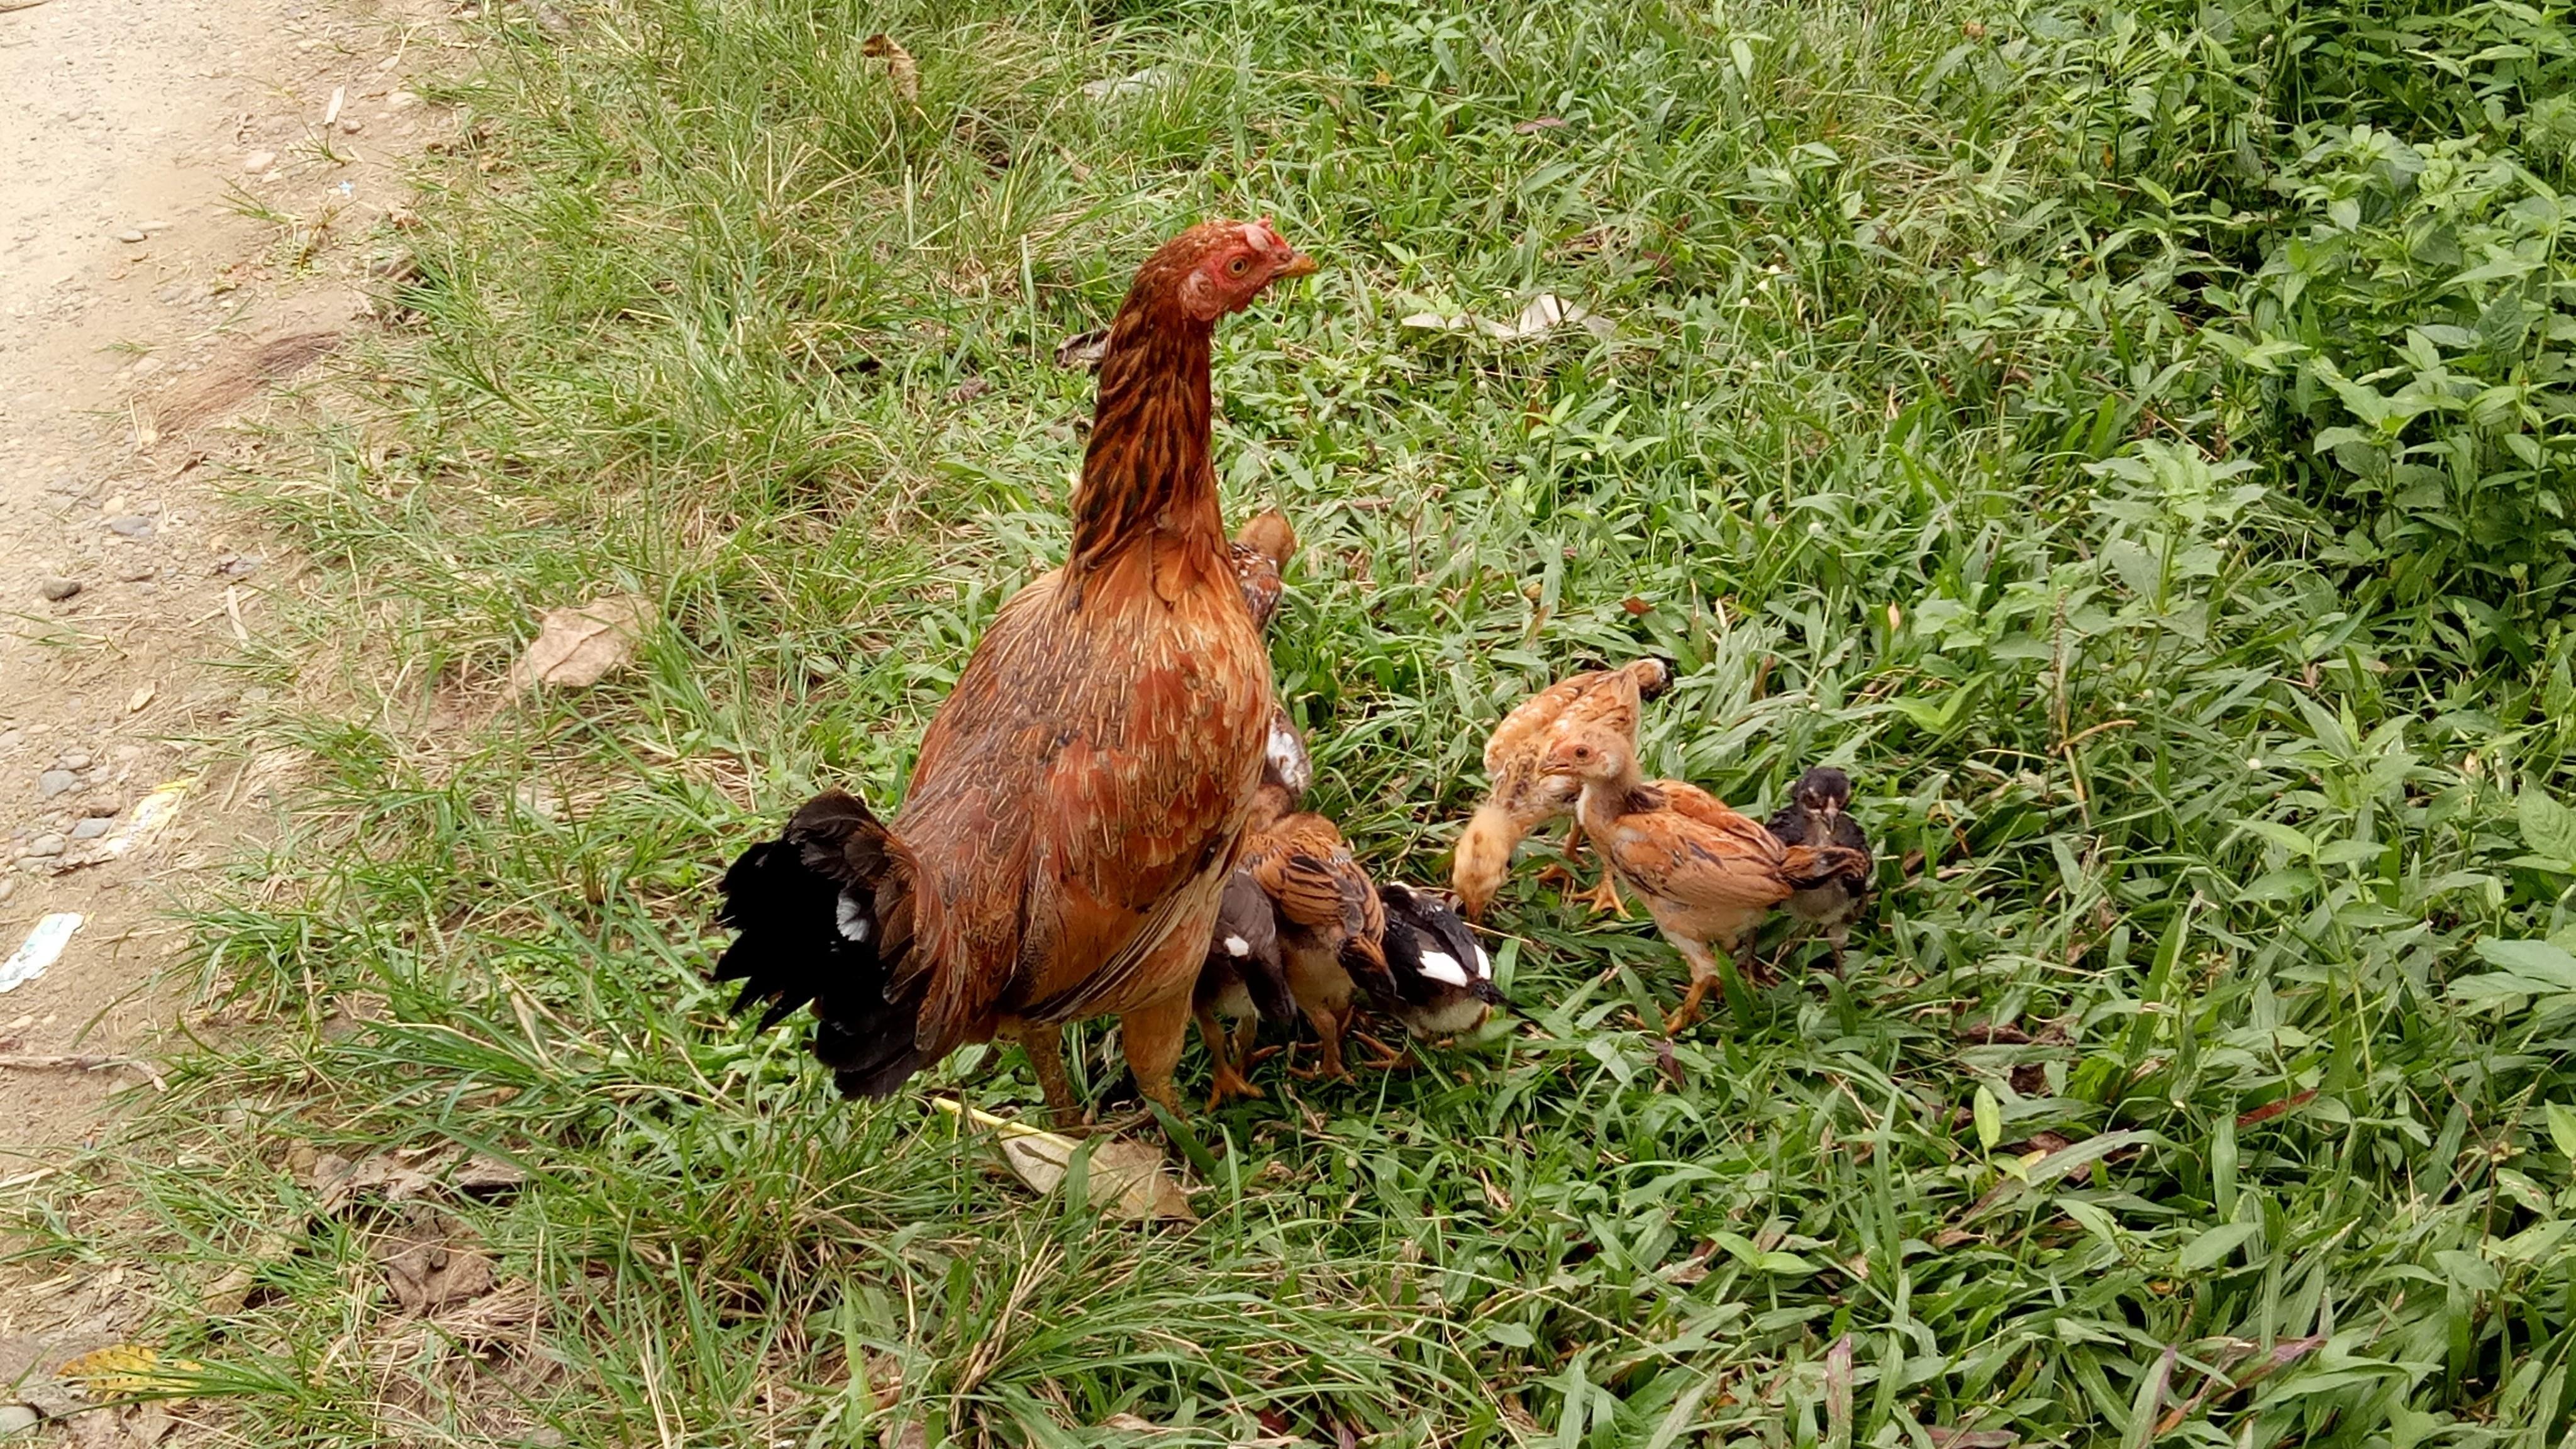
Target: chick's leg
{"type": "Point", "coordinates": [1225, 1079]}
{"type": "Point", "coordinates": [1704, 975]}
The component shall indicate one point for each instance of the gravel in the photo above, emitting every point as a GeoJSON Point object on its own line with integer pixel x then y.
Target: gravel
{"type": "Point", "coordinates": [57, 590]}
{"type": "Point", "coordinates": [57, 782]}
{"type": "Point", "coordinates": [90, 829]}
{"type": "Point", "coordinates": [45, 847]}
{"type": "Point", "coordinates": [131, 525]}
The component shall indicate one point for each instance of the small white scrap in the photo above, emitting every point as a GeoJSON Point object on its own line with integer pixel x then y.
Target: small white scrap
{"type": "Point", "coordinates": [1545, 313]}
{"type": "Point", "coordinates": [42, 948]}
{"type": "Point", "coordinates": [1237, 946]}
{"type": "Point", "coordinates": [339, 98]}
{"type": "Point", "coordinates": [150, 816]}
{"type": "Point", "coordinates": [1119, 88]}
{"type": "Point", "coordinates": [1442, 967]}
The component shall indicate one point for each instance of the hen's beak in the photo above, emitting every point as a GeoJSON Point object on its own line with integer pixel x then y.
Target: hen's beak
{"type": "Point", "coordinates": [1299, 265]}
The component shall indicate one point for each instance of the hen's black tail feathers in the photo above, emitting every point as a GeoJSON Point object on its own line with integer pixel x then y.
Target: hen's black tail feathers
{"type": "Point", "coordinates": [825, 913]}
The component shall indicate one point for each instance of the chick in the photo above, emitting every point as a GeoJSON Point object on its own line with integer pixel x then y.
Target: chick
{"type": "Point", "coordinates": [1332, 927]}
{"type": "Point", "coordinates": [1244, 981]}
{"type": "Point", "coordinates": [1444, 981]}
{"type": "Point", "coordinates": [1523, 796]}
{"type": "Point", "coordinates": [1816, 815]}
{"type": "Point", "coordinates": [1707, 874]}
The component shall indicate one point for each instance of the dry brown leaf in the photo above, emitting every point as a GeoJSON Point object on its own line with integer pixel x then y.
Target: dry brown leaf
{"type": "Point", "coordinates": [1126, 1178]}
{"type": "Point", "coordinates": [399, 1177]}
{"type": "Point", "coordinates": [1133, 1424]}
{"type": "Point", "coordinates": [1083, 349]}
{"type": "Point", "coordinates": [429, 1276]}
{"type": "Point", "coordinates": [900, 66]}
{"type": "Point", "coordinates": [578, 647]}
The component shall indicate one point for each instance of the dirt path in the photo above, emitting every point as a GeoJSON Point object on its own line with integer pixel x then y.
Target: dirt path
{"type": "Point", "coordinates": [188, 191]}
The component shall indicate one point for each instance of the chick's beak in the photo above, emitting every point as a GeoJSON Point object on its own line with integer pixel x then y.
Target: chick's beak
{"type": "Point", "coordinates": [1298, 265]}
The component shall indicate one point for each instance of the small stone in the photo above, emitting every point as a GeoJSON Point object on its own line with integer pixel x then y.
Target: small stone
{"type": "Point", "coordinates": [132, 234]}
{"type": "Point", "coordinates": [8, 888]}
{"type": "Point", "coordinates": [75, 760]}
{"type": "Point", "coordinates": [240, 565]}
{"type": "Point", "coordinates": [45, 847]}
{"type": "Point", "coordinates": [15, 1418]}
{"type": "Point", "coordinates": [146, 366]}
{"type": "Point", "coordinates": [136, 573]}
{"type": "Point", "coordinates": [259, 161]}
{"type": "Point", "coordinates": [351, 125]}
{"type": "Point", "coordinates": [401, 100]}
{"type": "Point", "coordinates": [131, 525]}
{"type": "Point", "coordinates": [57, 590]}
{"type": "Point", "coordinates": [56, 782]}
{"type": "Point", "coordinates": [101, 805]}
{"type": "Point", "coordinates": [90, 829]}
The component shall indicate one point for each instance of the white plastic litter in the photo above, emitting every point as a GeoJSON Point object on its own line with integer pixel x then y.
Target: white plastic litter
{"type": "Point", "coordinates": [42, 948]}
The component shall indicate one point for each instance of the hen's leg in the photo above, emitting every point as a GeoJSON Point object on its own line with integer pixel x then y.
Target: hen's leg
{"type": "Point", "coordinates": [1225, 1079]}
{"type": "Point", "coordinates": [1152, 1034]}
{"type": "Point", "coordinates": [1045, 1046]}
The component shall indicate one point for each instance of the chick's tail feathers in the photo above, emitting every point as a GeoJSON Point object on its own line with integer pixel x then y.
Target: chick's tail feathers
{"type": "Point", "coordinates": [1805, 867]}
{"type": "Point", "coordinates": [827, 915]}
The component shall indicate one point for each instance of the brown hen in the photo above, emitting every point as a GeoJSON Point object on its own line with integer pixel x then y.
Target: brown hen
{"type": "Point", "coordinates": [1707, 875]}
{"type": "Point", "coordinates": [1523, 796]}
{"type": "Point", "coordinates": [1079, 799]}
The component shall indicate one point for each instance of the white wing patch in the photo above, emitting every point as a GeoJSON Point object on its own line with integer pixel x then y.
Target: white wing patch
{"type": "Point", "coordinates": [852, 918]}
{"type": "Point", "coordinates": [1442, 967]}
{"type": "Point", "coordinates": [1484, 965]}
{"type": "Point", "coordinates": [1237, 946]}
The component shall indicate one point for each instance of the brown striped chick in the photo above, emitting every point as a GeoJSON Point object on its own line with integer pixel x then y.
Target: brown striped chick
{"type": "Point", "coordinates": [1706, 874]}
{"type": "Point", "coordinates": [1332, 927]}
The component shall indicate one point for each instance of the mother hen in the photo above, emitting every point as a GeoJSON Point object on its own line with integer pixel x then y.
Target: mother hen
{"type": "Point", "coordinates": [1078, 800]}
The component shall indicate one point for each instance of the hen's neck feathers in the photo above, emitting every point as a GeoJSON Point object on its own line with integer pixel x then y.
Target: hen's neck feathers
{"type": "Point", "coordinates": [1146, 472]}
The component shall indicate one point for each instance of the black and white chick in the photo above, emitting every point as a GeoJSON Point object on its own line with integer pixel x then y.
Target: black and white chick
{"type": "Point", "coordinates": [1444, 978]}
{"type": "Point", "coordinates": [1818, 814]}
{"type": "Point", "coordinates": [1245, 981]}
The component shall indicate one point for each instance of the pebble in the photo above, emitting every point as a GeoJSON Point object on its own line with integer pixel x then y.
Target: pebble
{"type": "Point", "coordinates": [75, 760]}
{"type": "Point", "coordinates": [259, 161]}
{"type": "Point", "coordinates": [46, 846]}
{"type": "Point", "coordinates": [146, 366]}
{"type": "Point", "coordinates": [101, 806]}
{"type": "Point", "coordinates": [57, 590]}
{"type": "Point", "coordinates": [401, 100]}
{"type": "Point", "coordinates": [15, 1418]}
{"type": "Point", "coordinates": [57, 782]}
{"type": "Point", "coordinates": [8, 888]}
{"type": "Point", "coordinates": [137, 574]}
{"type": "Point", "coordinates": [91, 828]}
{"type": "Point", "coordinates": [132, 234]}
{"type": "Point", "coordinates": [351, 126]}
{"type": "Point", "coordinates": [240, 565]}
{"type": "Point", "coordinates": [131, 525]}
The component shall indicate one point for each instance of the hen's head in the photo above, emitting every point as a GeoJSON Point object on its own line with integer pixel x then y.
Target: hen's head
{"type": "Point", "coordinates": [1218, 267]}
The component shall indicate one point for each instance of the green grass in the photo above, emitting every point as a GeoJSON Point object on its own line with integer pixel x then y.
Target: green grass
{"type": "Point", "coordinates": [1964, 425]}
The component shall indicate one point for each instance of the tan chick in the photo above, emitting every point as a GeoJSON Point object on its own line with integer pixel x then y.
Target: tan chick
{"type": "Point", "coordinates": [1524, 797]}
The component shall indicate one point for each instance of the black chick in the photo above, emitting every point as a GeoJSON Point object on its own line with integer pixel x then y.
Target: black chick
{"type": "Point", "coordinates": [1244, 980]}
{"type": "Point", "coordinates": [1817, 815]}
{"type": "Point", "coordinates": [1444, 979]}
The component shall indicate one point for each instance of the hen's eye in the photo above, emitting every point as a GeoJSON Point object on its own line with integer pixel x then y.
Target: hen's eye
{"type": "Point", "coordinates": [1237, 267]}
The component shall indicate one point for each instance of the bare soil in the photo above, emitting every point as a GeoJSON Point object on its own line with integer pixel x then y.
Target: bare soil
{"type": "Point", "coordinates": [191, 192]}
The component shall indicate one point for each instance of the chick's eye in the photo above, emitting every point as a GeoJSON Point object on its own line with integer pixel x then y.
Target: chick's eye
{"type": "Point", "coordinates": [1238, 266]}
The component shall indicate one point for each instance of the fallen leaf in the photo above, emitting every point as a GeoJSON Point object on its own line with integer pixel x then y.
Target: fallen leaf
{"type": "Point", "coordinates": [1083, 349]}
{"type": "Point", "coordinates": [123, 1370]}
{"type": "Point", "coordinates": [1536, 124]}
{"type": "Point", "coordinates": [401, 1177]}
{"type": "Point", "coordinates": [581, 646]}
{"type": "Point", "coordinates": [900, 66]}
{"type": "Point", "coordinates": [135, 702]}
{"type": "Point", "coordinates": [1637, 608]}
{"type": "Point", "coordinates": [1127, 1178]}
{"type": "Point", "coordinates": [2274, 1108]}
{"type": "Point", "coordinates": [428, 1276]}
